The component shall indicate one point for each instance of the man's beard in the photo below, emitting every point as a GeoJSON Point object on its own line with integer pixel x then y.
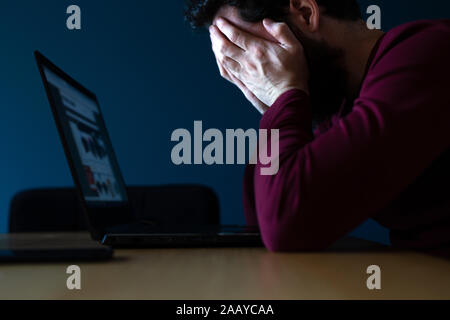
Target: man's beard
{"type": "Point", "coordinates": [327, 82]}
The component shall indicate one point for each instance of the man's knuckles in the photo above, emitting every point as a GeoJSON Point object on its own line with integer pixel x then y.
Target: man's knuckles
{"type": "Point", "coordinates": [222, 48]}
{"type": "Point", "coordinates": [280, 29]}
{"type": "Point", "coordinates": [258, 52]}
{"type": "Point", "coordinates": [234, 36]}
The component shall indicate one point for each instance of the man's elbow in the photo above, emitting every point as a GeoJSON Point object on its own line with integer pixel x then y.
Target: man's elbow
{"type": "Point", "coordinates": [282, 238]}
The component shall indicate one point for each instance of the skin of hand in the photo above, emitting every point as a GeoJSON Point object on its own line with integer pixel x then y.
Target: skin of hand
{"type": "Point", "coordinates": [262, 69]}
{"type": "Point", "coordinates": [260, 106]}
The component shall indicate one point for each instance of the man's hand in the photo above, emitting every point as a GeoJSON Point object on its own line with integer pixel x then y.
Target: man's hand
{"type": "Point", "coordinates": [261, 107]}
{"type": "Point", "coordinates": [262, 69]}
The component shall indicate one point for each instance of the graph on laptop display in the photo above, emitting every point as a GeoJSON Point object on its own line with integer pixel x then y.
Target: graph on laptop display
{"type": "Point", "coordinates": [85, 135]}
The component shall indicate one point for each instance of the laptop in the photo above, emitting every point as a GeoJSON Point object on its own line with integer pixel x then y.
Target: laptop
{"type": "Point", "coordinates": [100, 184]}
{"type": "Point", "coordinates": [51, 247]}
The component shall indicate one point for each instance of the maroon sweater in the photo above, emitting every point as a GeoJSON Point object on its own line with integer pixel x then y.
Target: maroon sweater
{"type": "Point", "coordinates": [389, 159]}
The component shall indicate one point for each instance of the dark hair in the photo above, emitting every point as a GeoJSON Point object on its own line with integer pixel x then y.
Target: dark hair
{"type": "Point", "coordinates": [200, 13]}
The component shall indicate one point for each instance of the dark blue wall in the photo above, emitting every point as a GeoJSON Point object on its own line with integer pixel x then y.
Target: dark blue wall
{"type": "Point", "coordinates": [152, 75]}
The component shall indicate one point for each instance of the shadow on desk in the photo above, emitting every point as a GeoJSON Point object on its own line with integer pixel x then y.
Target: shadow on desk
{"type": "Point", "coordinates": [356, 245]}
{"type": "Point", "coordinates": [351, 244]}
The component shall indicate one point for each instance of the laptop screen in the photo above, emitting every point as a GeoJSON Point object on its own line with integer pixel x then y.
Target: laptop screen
{"type": "Point", "coordinates": [87, 142]}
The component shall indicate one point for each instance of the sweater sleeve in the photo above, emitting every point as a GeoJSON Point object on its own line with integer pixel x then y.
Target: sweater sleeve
{"type": "Point", "coordinates": [328, 185]}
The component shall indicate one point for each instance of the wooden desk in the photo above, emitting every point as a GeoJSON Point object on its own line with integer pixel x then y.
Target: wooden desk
{"type": "Point", "coordinates": [234, 274]}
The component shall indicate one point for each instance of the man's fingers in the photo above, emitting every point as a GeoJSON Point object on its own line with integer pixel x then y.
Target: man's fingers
{"type": "Point", "coordinates": [223, 72]}
{"type": "Point", "coordinates": [237, 36]}
{"type": "Point", "coordinates": [231, 66]}
{"type": "Point", "coordinates": [261, 107]}
{"type": "Point", "coordinates": [222, 46]}
{"type": "Point", "coordinates": [281, 32]}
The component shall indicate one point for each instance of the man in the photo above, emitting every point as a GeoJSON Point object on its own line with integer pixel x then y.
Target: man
{"type": "Point", "coordinates": [364, 119]}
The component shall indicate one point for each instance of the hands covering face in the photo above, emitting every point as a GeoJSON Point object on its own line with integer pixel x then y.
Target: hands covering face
{"type": "Point", "coordinates": [263, 70]}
